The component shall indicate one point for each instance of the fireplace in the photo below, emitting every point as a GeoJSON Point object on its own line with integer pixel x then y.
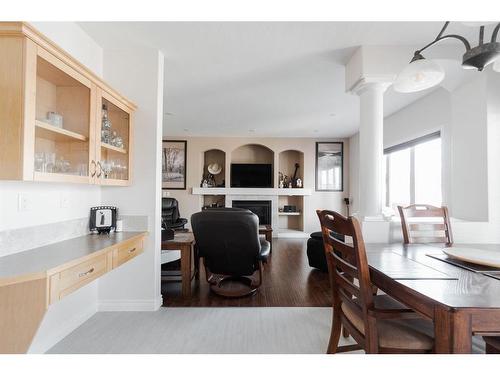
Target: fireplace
{"type": "Point", "coordinates": [260, 208]}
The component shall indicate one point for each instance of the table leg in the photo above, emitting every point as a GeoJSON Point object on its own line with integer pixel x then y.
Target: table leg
{"type": "Point", "coordinates": [452, 331]}
{"type": "Point", "coordinates": [186, 270]}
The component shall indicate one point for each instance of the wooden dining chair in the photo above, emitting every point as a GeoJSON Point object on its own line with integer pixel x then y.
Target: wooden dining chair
{"type": "Point", "coordinates": [425, 231]}
{"type": "Point", "coordinates": [378, 323]}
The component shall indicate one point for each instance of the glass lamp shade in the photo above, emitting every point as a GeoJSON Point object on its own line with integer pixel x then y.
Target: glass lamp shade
{"type": "Point", "coordinates": [496, 65]}
{"type": "Point", "coordinates": [478, 23]}
{"type": "Point", "coordinates": [419, 75]}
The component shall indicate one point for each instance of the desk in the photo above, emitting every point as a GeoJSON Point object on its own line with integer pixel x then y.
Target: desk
{"type": "Point", "coordinates": [183, 241]}
{"type": "Point", "coordinates": [32, 280]}
{"type": "Point", "coordinates": [460, 302]}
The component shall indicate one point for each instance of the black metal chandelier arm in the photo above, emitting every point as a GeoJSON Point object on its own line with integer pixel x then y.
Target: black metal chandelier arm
{"type": "Point", "coordinates": [453, 36]}
{"type": "Point", "coordinates": [495, 33]}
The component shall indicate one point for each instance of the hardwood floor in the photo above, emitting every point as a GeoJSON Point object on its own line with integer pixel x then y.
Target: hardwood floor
{"type": "Point", "coordinates": [288, 282]}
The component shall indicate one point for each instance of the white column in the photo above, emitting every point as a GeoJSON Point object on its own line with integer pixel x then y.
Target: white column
{"type": "Point", "coordinates": [371, 148]}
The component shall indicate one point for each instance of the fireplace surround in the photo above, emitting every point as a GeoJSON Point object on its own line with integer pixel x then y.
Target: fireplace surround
{"type": "Point", "coordinates": [261, 208]}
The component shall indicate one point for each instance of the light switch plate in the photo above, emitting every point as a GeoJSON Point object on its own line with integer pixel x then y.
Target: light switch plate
{"type": "Point", "coordinates": [64, 200]}
{"type": "Point", "coordinates": [24, 202]}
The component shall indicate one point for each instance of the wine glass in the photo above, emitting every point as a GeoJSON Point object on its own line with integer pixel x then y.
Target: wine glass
{"type": "Point", "coordinates": [39, 162]}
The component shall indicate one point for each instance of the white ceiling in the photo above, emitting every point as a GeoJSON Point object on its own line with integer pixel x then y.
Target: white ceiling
{"type": "Point", "coordinates": [267, 78]}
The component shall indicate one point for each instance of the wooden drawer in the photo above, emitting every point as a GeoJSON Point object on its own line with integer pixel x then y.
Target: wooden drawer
{"type": "Point", "coordinates": [73, 278]}
{"type": "Point", "coordinates": [126, 251]}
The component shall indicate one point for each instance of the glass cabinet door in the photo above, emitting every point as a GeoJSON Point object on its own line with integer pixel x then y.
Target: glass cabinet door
{"type": "Point", "coordinates": [64, 126]}
{"type": "Point", "coordinates": [113, 141]}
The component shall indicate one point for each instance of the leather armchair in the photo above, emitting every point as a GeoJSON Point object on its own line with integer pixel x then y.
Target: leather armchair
{"type": "Point", "coordinates": [170, 215]}
{"type": "Point", "coordinates": [228, 241]}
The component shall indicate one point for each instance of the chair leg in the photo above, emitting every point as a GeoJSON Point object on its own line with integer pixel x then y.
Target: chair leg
{"type": "Point", "coordinates": [345, 332]}
{"type": "Point", "coordinates": [335, 333]}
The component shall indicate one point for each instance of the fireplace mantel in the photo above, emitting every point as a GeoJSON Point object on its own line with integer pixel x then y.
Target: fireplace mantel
{"type": "Point", "coordinates": [250, 191]}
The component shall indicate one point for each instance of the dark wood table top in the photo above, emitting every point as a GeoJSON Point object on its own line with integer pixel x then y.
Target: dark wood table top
{"type": "Point", "coordinates": [446, 284]}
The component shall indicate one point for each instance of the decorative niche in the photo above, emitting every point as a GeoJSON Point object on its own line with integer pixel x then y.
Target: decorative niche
{"type": "Point", "coordinates": [287, 162]}
{"type": "Point", "coordinates": [254, 154]}
{"type": "Point", "coordinates": [211, 157]}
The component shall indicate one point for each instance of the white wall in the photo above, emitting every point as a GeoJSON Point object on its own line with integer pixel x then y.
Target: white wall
{"type": "Point", "coordinates": [64, 316]}
{"type": "Point", "coordinates": [71, 37]}
{"type": "Point", "coordinates": [189, 204]}
{"type": "Point", "coordinates": [469, 151]}
{"type": "Point", "coordinates": [424, 116]}
{"type": "Point", "coordinates": [138, 74]}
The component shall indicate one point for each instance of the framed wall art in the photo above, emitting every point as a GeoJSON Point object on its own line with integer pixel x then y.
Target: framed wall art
{"type": "Point", "coordinates": [329, 166]}
{"type": "Point", "coordinates": [174, 158]}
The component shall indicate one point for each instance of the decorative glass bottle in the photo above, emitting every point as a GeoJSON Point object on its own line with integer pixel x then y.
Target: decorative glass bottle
{"type": "Point", "coordinates": [106, 126]}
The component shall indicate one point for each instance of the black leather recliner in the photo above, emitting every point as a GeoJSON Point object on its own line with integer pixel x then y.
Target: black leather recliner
{"type": "Point", "coordinates": [228, 241]}
{"type": "Point", "coordinates": [170, 215]}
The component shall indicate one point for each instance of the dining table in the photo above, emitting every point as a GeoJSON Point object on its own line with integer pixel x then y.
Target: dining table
{"type": "Point", "coordinates": [460, 302]}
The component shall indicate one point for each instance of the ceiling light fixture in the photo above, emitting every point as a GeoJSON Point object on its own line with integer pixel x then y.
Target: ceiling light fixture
{"type": "Point", "coordinates": [496, 66]}
{"type": "Point", "coordinates": [421, 73]}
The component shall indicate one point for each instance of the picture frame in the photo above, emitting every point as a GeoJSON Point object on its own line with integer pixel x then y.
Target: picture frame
{"type": "Point", "coordinates": [329, 166]}
{"type": "Point", "coordinates": [174, 163]}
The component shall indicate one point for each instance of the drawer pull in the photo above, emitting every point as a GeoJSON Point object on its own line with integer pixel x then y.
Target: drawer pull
{"type": "Point", "coordinates": [86, 273]}
{"type": "Point", "coordinates": [132, 250]}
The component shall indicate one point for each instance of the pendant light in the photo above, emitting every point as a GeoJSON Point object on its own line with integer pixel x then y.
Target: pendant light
{"type": "Point", "coordinates": [496, 66]}
{"type": "Point", "coordinates": [419, 75]}
{"type": "Point", "coordinates": [422, 74]}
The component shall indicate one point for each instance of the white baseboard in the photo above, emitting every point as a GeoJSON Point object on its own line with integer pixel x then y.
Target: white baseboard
{"type": "Point", "coordinates": [130, 305]}
{"type": "Point", "coordinates": [44, 342]}
{"type": "Point", "coordinates": [291, 234]}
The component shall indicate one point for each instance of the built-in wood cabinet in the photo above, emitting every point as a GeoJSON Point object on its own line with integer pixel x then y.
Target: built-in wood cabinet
{"type": "Point", "coordinates": [58, 121]}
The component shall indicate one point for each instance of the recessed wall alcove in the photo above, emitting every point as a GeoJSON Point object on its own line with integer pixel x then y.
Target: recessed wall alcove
{"type": "Point", "coordinates": [211, 157]}
{"type": "Point", "coordinates": [253, 154]}
{"type": "Point", "coordinates": [287, 161]}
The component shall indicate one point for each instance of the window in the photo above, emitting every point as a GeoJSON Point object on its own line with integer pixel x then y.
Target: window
{"type": "Point", "coordinates": [413, 172]}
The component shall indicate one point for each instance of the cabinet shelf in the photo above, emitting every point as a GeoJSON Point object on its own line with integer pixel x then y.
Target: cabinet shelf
{"type": "Point", "coordinates": [113, 148]}
{"type": "Point", "coordinates": [289, 213]}
{"type": "Point", "coordinates": [48, 131]}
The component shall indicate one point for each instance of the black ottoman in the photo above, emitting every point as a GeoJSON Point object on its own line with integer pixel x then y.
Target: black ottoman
{"type": "Point", "coordinates": [316, 250]}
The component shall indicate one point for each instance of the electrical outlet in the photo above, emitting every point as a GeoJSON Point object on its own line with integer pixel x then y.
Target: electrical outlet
{"type": "Point", "coordinates": [64, 200]}
{"type": "Point", "coordinates": [25, 202]}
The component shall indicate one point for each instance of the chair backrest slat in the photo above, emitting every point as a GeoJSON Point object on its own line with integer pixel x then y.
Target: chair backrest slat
{"type": "Point", "coordinates": [425, 232]}
{"type": "Point", "coordinates": [347, 263]}
{"type": "Point", "coordinates": [346, 267]}
{"type": "Point", "coordinates": [347, 285]}
{"type": "Point", "coordinates": [424, 227]}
